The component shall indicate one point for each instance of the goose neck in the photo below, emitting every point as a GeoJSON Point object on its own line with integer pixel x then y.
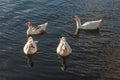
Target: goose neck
{"type": "Point", "coordinates": [78, 23]}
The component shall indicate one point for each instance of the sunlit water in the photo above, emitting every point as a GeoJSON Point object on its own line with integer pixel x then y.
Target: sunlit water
{"type": "Point", "coordinates": [96, 56]}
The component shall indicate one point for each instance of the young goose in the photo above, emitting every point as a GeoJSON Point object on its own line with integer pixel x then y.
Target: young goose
{"type": "Point", "coordinates": [30, 49]}
{"type": "Point", "coordinates": [63, 50]}
{"type": "Point", "coordinates": [89, 25]}
{"type": "Point", "coordinates": [40, 29]}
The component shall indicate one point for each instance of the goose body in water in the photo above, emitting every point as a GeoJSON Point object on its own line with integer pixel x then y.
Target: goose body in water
{"type": "Point", "coordinates": [63, 48]}
{"type": "Point", "coordinates": [40, 29]}
{"type": "Point", "coordinates": [30, 49]}
{"type": "Point", "coordinates": [89, 25]}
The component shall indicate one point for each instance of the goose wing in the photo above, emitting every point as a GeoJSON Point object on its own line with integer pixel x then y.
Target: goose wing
{"type": "Point", "coordinates": [43, 26]}
{"type": "Point", "coordinates": [40, 27]}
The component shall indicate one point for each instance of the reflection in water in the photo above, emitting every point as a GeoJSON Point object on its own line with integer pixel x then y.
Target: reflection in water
{"type": "Point", "coordinates": [88, 32]}
{"type": "Point", "coordinates": [29, 61]}
{"type": "Point", "coordinates": [63, 63]}
{"type": "Point", "coordinates": [93, 32]}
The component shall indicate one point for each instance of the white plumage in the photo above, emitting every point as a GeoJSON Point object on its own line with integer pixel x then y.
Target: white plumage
{"type": "Point", "coordinates": [63, 48]}
{"type": "Point", "coordinates": [30, 47]}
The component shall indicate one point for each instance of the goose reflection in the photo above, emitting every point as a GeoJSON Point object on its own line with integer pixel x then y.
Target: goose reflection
{"type": "Point", "coordinates": [63, 50]}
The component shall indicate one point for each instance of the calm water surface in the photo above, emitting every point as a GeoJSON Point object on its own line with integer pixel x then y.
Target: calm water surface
{"type": "Point", "coordinates": [96, 56]}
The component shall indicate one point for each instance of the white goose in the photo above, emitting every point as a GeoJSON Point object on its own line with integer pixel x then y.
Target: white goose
{"type": "Point", "coordinates": [89, 25]}
{"type": "Point", "coordinates": [40, 29]}
{"type": "Point", "coordinates": [63, 48]}
{"type": "Point", "coordinates": [30, 49]}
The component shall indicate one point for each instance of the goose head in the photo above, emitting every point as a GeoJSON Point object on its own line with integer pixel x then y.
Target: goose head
{"type": "Point", "coordinates": [62, 40]}
{"type": "Point", "coordinates": [30, 38]}
{"type": "Point", "coordinates": [76, 18]}
{"type": "Point", "coordinates": [28, 23]}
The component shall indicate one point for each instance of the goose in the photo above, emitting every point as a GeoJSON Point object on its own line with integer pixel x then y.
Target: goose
{"type": "Point", "coordinates": [89, 25]}
{"type": "Point", "coordinates": [40, 29]}
{"type": "Point", "coordinates": [30, 49]}
{"type": "Point", "coordinates": [63, 50]}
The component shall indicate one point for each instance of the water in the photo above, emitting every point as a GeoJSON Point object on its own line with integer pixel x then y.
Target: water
{"type": "Point", "coordinates": [95, 55]}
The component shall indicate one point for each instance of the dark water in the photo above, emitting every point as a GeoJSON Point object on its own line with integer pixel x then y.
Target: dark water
{"type": "Point", "coordinates": [96, 56]}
